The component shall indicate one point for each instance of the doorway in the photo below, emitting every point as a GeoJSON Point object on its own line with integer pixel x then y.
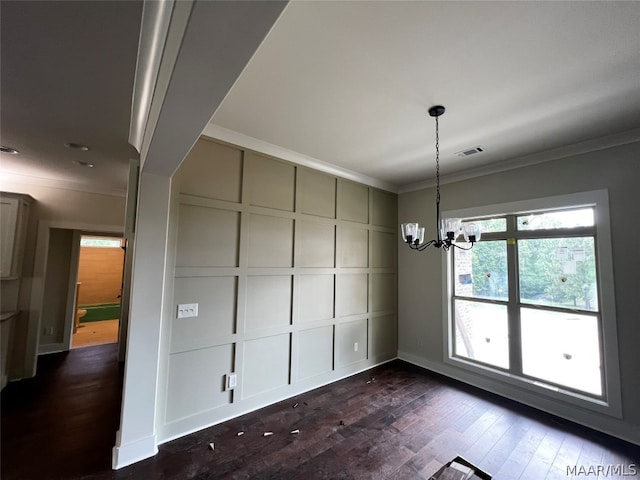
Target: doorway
{"type": "Point", "coordinates": [98, 291]}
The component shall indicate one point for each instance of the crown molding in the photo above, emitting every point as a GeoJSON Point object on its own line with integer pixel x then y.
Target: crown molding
{"type": "Point", "coordinates": [592, 145]}
{"type": "Point", "coordinates": [230, 136]}
{"type": "Point", "coordinates": [244, 141]}
{"type": "Point", "coordinates": [156, 19]}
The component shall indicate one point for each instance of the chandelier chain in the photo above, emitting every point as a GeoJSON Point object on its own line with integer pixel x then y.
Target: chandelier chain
{"type": "Point", "coordinates": [448, 231]}
{"type": "Point", "coordinates": [437, 162]}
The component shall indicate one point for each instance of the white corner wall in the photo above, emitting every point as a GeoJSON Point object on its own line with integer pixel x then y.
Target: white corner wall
{"type": "Point", "coordinates": [137, 438]}
{"type": "Point", "coordinates": [420, 282]}
{"type": "Point", "coordinates": [290, 268]}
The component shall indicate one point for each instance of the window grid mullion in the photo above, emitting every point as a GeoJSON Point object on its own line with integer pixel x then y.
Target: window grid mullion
{"type": "Point", "coordinates": [553, 308]}
{"type": "Point", "coordinates": [492, 301]}
{"type": "Point", "coordinates": [513, 307]}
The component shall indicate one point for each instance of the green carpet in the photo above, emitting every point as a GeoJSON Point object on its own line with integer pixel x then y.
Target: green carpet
{"type": "Point", "coordinates": [95, 313]}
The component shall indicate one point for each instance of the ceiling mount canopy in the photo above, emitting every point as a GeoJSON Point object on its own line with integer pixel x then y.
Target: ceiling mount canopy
{"type": "Point", "coordinates": [447, 230]}
{"type": "Point", "coordinates": [436, 110]}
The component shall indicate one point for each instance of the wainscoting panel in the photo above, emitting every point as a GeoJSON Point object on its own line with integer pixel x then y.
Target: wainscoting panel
{"type": "Point", "coordinates": [315, 244]}
{"type": "Point", "coordinates": [354, 243]}
{"type": "Point", "coordinates": [266, 364]}
{"type": "Point", "coordinates": [202, 228]}
{"type": "Point", "coordinates": [383, 246]}
{"type": "Point", "coordinates": [383, 292]}
{"type": "Point", "coordinates": [315, 297]}
{"type": "Point", "coordinates": [196, 381]}
{"type": "Point", "coordinates": [353, 294]}
{"type": "Point", "coordinates": [270, 241]}
{"type": "Point", "coordinates": [213, 171]}
{"type": "Point", "coordinates": [268, 301]}
{"type": "Point", "coordinates": [315, 351]}
{"type": "Point", "coordinates": [353, 204]}
{"type": "Point", "coordinates": [271, 183]}
{"type": "Point", "coordinates": [316, 193]}
{"type": "Point", "coordinates": [351, 339]}
{"type": "Point", "coordinates": [216, 298]}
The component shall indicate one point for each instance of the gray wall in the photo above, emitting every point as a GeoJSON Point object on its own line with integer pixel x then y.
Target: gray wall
{"type": "Point", "coordinates": [420, 275]}
{"type": "Point", "coordinates": [56, 286]}
{"type": "Point", "coordinates": [290, 267]}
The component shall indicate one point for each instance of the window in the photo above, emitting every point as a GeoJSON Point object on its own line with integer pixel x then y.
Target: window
{"type": "Point", "coordinates": [532, 303]}
{"type": "Point", "coordinates": [102, 242]}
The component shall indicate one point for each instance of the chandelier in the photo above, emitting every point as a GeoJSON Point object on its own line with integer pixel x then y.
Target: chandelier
{"type": "Point", "coordinates": [447, 230]}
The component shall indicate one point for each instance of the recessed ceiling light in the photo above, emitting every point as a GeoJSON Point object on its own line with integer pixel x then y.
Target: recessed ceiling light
{"type": "Point", "coordinates": [82, 164]}
{"type": "Point", "coordinates": [76, 146]}
{"type": "Point", "coordinates": [10, 150]}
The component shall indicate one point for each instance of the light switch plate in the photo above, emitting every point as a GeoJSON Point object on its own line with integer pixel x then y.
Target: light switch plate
{"type": "Point", "coordinates": [187, 310]}
{"type": "Point", "coordinates": [232, 381]}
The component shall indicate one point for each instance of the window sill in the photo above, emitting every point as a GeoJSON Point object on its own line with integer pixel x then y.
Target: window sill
{"type": "Point", "coordinates": [538, 387]}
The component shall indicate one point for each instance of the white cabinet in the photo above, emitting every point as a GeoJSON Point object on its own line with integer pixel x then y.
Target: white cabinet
{"type": "Point", "coordinates": [14, 214]}
{"type": "Point", "coordinates": [6, 341]}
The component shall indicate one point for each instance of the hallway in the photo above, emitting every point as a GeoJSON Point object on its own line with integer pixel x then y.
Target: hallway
{"type": "Point", "coordinates": [62, 423]}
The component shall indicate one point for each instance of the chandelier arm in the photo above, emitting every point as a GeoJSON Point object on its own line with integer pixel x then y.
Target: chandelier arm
{"type": "Point", "coordinates": [424, 246]}
{"type": "Point", "coordinates": [463, 248]}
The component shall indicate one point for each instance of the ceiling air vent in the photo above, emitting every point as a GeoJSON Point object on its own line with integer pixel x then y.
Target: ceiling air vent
{"type": "Point", "coordinates": [470, 151]}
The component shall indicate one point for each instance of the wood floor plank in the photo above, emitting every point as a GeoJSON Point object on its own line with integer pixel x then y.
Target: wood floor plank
{"type": "Point", "coordinates": [568, 455]}
{"type": "Point", "coordinates": [478, 451]}
{"type": "Point", "coordinates": [520, 457]}
{"type": "Point", "coordinates": [543, 458]}
{"type": "Point", "coordinates": [500, 451]}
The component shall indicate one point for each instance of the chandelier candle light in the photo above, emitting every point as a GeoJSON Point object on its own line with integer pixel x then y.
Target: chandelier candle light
{"type": "Point", "coordinates": [447, 230]}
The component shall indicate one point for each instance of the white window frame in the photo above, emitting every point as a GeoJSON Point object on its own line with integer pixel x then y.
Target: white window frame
{"type": "Point", "coordinates": [93, 241]}
{"type": "Point", "coordinates": [610, 403]}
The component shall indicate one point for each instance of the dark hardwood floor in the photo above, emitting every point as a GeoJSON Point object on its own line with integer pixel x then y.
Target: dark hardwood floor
{"type": "Point", "coordinates": [403, 425]}
{"type": "Point", "coordinates": [62, 423]}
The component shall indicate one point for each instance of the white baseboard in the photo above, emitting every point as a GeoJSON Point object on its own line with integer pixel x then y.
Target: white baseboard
{"type": "Point", "coordinates": [51, 348]}
{"type": "Point", "coordinates": [195, 423]}
{"type": "Point", "coordinates": [603, 423]}
{"type": "Point", "coordinates": [124, 455]}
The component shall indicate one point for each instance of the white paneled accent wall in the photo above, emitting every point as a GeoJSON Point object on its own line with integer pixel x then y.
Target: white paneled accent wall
{"type": "Point", "coordinates": [294, 273]}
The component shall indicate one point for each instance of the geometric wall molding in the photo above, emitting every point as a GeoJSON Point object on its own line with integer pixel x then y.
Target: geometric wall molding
{"type": "Point", "coordinates": [294, 273]}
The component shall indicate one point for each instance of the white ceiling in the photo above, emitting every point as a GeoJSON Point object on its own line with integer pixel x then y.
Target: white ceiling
{"type": "Point", "coordinates": [67, 76]}
{"type": "Point", "coordinates": [350, 83]}
{"type": "Point", "coordinates": [345, 83]}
